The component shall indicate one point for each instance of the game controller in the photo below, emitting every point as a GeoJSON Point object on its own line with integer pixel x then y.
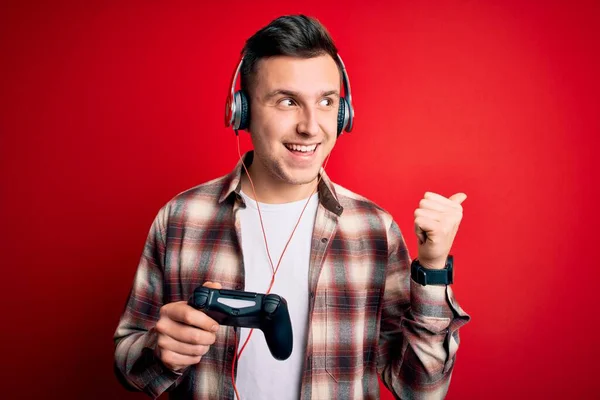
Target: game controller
{"type": "Point", "coordinates": [269, 313]}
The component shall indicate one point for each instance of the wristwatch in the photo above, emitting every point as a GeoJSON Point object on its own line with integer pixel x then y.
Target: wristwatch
{"type": "Point", "coordinates": [426, 276]}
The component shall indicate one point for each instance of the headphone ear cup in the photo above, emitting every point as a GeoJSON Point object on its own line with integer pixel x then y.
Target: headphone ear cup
{"type": "Point", "coordinates": [244, 110]}
{"type": "Point", "coordinates": [341, 119]}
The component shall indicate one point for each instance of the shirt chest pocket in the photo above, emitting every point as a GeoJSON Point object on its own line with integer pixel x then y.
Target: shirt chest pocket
{"type": "Point", "coordinates": [351, 332]}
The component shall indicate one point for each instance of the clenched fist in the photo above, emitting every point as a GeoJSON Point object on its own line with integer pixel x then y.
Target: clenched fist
{"type": "Point", "coordinates": [436, 223]}
{"type": "Point", "coordinates": [184, 334]}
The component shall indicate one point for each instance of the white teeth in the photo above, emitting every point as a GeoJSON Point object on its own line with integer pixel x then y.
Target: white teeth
{"type": "Point", "coordinates": [303, 149]}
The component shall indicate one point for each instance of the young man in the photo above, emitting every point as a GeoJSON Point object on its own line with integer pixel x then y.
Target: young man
{"type": "Point", "coordinates": [346, 273]}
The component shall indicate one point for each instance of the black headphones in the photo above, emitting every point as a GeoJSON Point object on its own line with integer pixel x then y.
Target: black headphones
{"type": "Point", "coordinates": [237, 107]}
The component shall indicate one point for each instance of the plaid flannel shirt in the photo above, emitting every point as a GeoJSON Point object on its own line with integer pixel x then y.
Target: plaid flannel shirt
{"type": "Point", "coordinates": [367, 318]}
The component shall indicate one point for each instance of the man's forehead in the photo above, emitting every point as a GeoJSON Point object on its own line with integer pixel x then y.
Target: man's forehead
{"type": "Point", "coordinates": [315, 74]}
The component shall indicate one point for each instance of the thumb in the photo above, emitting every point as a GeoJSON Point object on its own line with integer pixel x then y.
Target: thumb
{"type": "Point", "coordinates": [458, 197]}
{"type": "Point", "coordinates": [212, 285]}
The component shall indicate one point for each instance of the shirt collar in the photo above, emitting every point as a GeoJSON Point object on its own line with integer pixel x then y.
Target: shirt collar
{"type": "Point", "coordinates": [233, 185]}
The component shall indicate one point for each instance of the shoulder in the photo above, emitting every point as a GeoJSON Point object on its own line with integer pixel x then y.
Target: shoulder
{"type": "Point", "coordinates": [361, 209]}
{"type": "Point", "coordinates": [195, 204]}
{"type": "Point", "coordinates": [206, 191]}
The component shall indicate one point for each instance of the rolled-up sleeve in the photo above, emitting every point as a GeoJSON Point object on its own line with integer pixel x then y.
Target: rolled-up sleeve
{"type": "Point", "coordinates": [419, 335]}
{"type": "Point", "coordinates": [135, 363]}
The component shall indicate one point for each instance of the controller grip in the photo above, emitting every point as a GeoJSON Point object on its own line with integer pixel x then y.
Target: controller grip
{"type": "Point", "coordinates": [277, 328]}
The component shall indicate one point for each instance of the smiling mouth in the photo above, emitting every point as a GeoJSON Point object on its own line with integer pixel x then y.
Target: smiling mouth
{"type": "Point", "coordinates": [301, 149]}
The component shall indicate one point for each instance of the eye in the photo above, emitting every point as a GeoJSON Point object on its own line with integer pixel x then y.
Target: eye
{"type": "Point", "coordinates": [287, 102]}
{"type": "Point", "coordinates": [327, 102]}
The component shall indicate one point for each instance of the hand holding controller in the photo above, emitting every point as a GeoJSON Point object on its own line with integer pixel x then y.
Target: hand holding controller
{"type": "Point", "coordinates": [184, 335]}
{"type": "Point", "coordinates": [269, 313]}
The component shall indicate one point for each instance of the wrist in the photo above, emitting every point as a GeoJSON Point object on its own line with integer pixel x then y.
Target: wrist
{"type": "Point", "coordinates": [426, 275]}
{"type": "Point", "coordinates": [433, 264]}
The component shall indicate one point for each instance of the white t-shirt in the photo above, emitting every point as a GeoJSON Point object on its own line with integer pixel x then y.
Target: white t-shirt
{"type": "Point", "coordinates": [259, 374]}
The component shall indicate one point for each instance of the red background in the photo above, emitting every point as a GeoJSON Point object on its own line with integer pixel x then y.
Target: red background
{"type": "Point", "coordinates": [109, 109]}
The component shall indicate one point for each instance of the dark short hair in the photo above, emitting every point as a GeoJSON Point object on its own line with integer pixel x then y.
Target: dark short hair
{"type": "Point", "coordinates": [289, 35]}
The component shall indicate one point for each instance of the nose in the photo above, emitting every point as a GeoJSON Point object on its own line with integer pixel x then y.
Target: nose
{"type": "Point", "coordinates": [308, 124]}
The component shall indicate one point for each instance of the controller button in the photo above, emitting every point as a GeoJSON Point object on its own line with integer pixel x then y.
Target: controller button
{"type": "Point", "coordinates": [270, 307]}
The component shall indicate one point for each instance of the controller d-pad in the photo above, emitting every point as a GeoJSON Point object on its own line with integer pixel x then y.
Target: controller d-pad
{"type": "Point", "coordinates": [201, 301]}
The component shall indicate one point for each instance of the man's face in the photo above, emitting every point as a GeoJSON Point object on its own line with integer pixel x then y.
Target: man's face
{"type": "Point", "coordinates": [294, 107]}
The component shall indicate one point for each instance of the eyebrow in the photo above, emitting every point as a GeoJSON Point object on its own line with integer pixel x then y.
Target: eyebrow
{"type": "Point", "coordinates": [292, 93]}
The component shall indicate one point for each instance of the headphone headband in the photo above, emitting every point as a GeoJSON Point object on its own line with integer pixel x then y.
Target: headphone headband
{"type": "Point", "coordinates": [230, 104]}
{"type": "Point", "coordinates": [349, 115]}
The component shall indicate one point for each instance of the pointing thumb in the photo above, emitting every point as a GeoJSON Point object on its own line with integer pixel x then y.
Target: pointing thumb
{"type": "Point", "coordinates": [458, 197]}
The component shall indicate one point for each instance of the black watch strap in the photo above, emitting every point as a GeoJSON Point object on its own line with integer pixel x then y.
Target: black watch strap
{"type": "Point", "coordinates": [426, 276]}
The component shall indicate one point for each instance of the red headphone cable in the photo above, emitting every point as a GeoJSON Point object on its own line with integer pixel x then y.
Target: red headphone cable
{"type": "Point", "coordinates": [236, 356]}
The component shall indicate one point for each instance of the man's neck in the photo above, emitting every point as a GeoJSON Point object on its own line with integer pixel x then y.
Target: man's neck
{"type": "Point", "coordinates": [269, 190]}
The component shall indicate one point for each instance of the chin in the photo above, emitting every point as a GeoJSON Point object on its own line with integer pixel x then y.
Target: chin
{"type": "Point", "coordinates": [293, 175]}
{"type": "Point", "coordinates": [301, 178]}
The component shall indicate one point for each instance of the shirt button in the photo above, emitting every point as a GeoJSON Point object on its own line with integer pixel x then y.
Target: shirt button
{"type": "Point", "coordinates": [324, 240]}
